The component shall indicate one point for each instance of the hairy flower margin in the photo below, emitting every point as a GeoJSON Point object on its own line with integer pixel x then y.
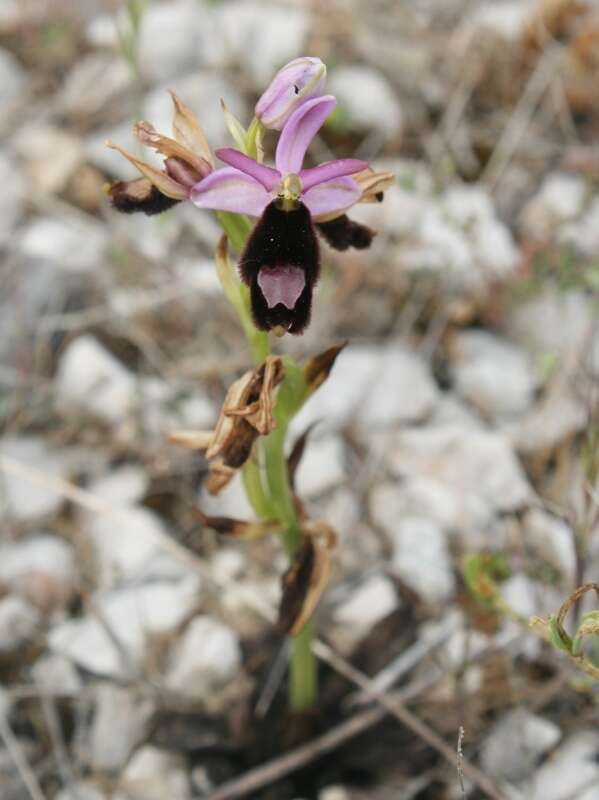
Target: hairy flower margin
{"type": "Point", "coordinates": [281, 260]}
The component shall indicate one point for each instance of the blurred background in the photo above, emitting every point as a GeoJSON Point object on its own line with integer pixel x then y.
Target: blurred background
{"type": "Point", "coordinates": [456, 444]}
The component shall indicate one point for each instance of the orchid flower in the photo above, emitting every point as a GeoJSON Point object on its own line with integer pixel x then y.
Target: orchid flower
{"type": "Point", "coordinates": [280, 262]}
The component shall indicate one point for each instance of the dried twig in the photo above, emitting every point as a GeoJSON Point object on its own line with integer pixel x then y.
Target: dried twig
{"type": "Point", "coordinates": [11, 743]}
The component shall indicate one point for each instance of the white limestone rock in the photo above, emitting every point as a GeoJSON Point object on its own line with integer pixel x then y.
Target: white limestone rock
{"type": "Point", "coordinates": [91, 378]}
{"type": "Point", "coordinates": [371, 602]}
{"type": "Point", "coordinates": [124, 544]}
{"type": "Point", "coordinates": [13, 81]}
{"type": "Point", "coordinates": [477, 467]}
{"type": "Point", "coordinates": [322, 466]}
{"type": "Point", "coordinates": [123, 486]}
{"type": "Point", "coordinates": [560, 198]}
{"type": "Point", "coordinates": [132, 614]}
{"type": "Point", "coordinates": [207, 656]}
{"type": "Point", "coordinates": [40, 568]}
{"type": "Point", "coordinates": [12, 198]}
{"type": "Point", "coordinates": [170, 39]}
{"type": "Point", "coordinates": [516, 743]}
{"type": "Point", "coordinates": [153, 774]}
{"type": "Point", "coordinates": [421, 558]}
{"type": "Point", "coordinates": [24, 499]}
{"type": "Point", "coordinates": [55, 674]}
{"type": "Point", "coordinates": [402, 390]}
{"type": "Point", "coordinates": [73, 246]}
{"type": "Point", "coordinates": [552, 540]}
{"type": "Point", "coordinates": [368, 98]}
{"type": "Point", "coordinates": [19, 623]}
{"type": "Point", "coordinates": [493, 374]}
{"type": "Point", "coordinates": [572, 771]}
{"type": "Point", "coordinates": [119, 724]}
{"type": "Point", "coordinates": [260, 37]}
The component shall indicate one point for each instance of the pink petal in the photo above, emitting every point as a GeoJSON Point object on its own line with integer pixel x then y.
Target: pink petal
{"type": "Point", "coordinates": [298, 81]}
{"type": "Point", "coordinates": [267, 176]}
{"type": "Point", "coordinates": [329, 170]}
{"type": "Point", "coordinates": [281, 285]}
{"type": "Point", "coordinates": [228, 189]}
{"type": "Point", "coordinates": [299, 130]}
{"type": "Point", "coordinates": [337, 194]}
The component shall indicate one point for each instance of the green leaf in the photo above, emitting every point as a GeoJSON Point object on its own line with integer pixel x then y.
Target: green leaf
{"type": "Point", "coordinates": [559, 637]}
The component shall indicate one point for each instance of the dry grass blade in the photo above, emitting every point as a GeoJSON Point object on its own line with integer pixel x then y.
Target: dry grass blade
{"type": "Point", "coordinates": [15, 751]}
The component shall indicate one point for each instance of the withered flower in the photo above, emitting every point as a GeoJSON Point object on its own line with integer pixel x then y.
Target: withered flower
{"type": "Point", "coordinates": [247, 413]}
{"type": "Point", "coordinates": [187, 159]}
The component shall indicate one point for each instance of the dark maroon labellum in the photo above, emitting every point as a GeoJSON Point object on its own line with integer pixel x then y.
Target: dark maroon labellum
{"type": "Point", "coordinates": [139, 195]}
{"type": "Point", "coordinates": [280, 264]}
{"type": "Point", "coordinates": [342, 233]}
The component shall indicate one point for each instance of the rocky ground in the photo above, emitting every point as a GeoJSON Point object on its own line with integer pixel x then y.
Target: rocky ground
{"type": "Point", "coordinates": [460, 426]}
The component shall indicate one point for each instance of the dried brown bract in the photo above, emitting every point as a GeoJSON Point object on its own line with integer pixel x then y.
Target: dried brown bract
{"type": "Point", "coordinates": [187, 159]}
{"type": "Point", "coordinates": [306, 579]}
{"type": "Point", "coordinates": [247, 413]}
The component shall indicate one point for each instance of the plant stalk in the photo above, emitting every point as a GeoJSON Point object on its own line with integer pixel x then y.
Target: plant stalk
{"type": "Point", "coordinates": [269, 490]}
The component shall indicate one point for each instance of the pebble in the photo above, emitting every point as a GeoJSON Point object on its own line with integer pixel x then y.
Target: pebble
{"type": "Point", "coordinates": [132, 614]}
{"type": "Point", "coordinates": [534, 322]}
{"type": "Point", "coordinates": [552, 540]}
{"type": "Point", "coordinates": [154, 774]}
{"type": "Point", "coordinates": [74, 246]}
{"type": "Point", "coordinates": [573, 771]}
{"type": "Point", "coordinates": [24, 499]}
{"type": "Point", "coordinates": [261, 37]}
{"type": "Point", "coordinates": [507, 20]}
{"type": "Point", "coordinates": [371, 602]}
{"type": "Point", "coordinates": [389, 503]}
{"type": "Point", "coordinates": [19, 622]}
{"type": "Point", "coordinates": [42, 569]}
{"type": "Point", "coordinates": [13, 81]}
{"type": "Point", "coordinates": [347, 387]}
{"type": "Point", "coordinates": [170, 39]}
{"type": "Point", "coordinates": [55, 674]}
{"type": "Point", "coordinates": [123, 486]}
{"type": "Point", "coordinates": [207, 656]}
{"type": "Point", "coordinates": [560, 198]}
{"type": "Point", "coordinates": [583, 233]}
{"type": "Point", "coordinates": [124, 545]}
{"type": "Point", "coordinates": [558, 417]}
{"type": "Point", "coordinates": [515, 744]}
{"type": "Point", "coordinates": [322, 466]}
{"type": "Point", "coordinates": [50, 156]}
{"type": "Point", "coordinates": [493, 246]}
{"type": "Point", "coordinates": [91, 378]}
{"type": "Point", "coordinates": [492, 374]}
{"type": "Point", "coordinates": [421, 558]}
{"type": "Point", "coordinates": [119, 724]}
{"type": "Point", "coordinates": [95, 85]}
{"type": "Point", "coordinates": [12, 198]}
{"type": "Point", "coordinates": [368, 98]}
{"type": "Point", "coordinates": [478, 468]}
{"type": "Point", "coordinates": [402, 390]}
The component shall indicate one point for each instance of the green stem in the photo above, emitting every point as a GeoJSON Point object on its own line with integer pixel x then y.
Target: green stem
{"type": "Point", "coordinates": [270, 492]}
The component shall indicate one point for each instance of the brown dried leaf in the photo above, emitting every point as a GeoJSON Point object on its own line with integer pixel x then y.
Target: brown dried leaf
{"type": "Point", "coordinates": [317, 369]}
{"type": "Point", "coordinates": [305, 580]}
{"type": "Point", "coordinates": [159, 179]}
{"type": "Point", "coordinates": [170, 148]}
{"type": "Point", "coordinates": [239, 529]}
{"type": "Point", "coordinates": [188, 132]}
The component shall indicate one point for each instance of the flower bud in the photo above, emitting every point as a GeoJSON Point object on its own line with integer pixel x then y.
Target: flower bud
{"type": "Point", "coordinates": [293, 84]}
